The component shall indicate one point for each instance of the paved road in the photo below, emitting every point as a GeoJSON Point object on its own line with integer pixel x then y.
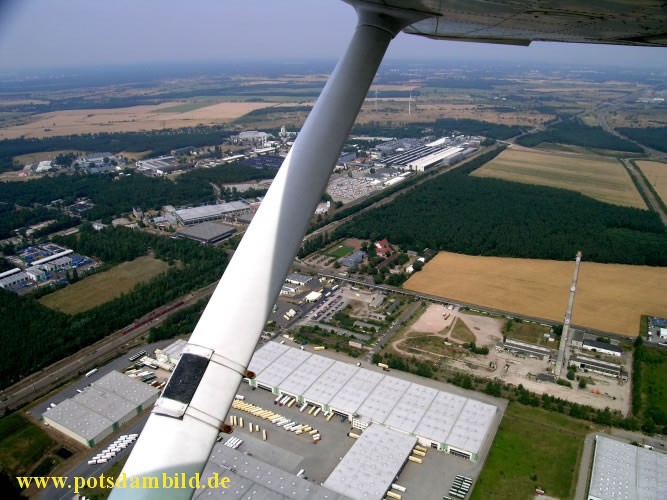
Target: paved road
{"type": "Point", "coordinates": [655, 206]}
{"type": "Point", "coordinates": [585, 467]}
{"type": "Point", "coordinates": [382, 340]}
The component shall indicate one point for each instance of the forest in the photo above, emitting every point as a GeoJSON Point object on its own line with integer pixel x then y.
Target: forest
{"type": "Point", "coordinates": [482, 216]}
{"type": "Point", "coordinates": [157, 141]}
{"type": "Point", "coordinates": [576, 133]}
{"type": "Point", "coordinates": [114, 196]}
{"type": "Point", "coordinates": [653, 137]}
{"type": "Point", "coordinates": [34, 336]}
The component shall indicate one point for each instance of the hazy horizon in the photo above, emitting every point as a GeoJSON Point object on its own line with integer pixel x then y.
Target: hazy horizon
{"type": "Point", "coordinates": [39, 34]}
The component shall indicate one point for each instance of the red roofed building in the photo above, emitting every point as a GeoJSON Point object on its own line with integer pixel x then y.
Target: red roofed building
{"type": "Point", "coordinates": [382, 247]}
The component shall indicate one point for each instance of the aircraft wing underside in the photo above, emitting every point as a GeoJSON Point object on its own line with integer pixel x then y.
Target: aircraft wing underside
{"type": "Point", "coordinates": [519, 22]}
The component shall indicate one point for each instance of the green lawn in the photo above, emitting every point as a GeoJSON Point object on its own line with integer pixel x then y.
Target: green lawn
{"type": "Point", "coordinates": [22, 444]}
{"type": "Point", "coordinates": [655, 379]}
{"type": "Point", "coordinates": [533, 449]}
{"type": "Point", "coordinates": [340, 251]}
{"type": "Point", "coordinates": [532, 333]}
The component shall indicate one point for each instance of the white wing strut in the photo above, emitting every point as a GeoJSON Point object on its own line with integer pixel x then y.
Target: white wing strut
{"type": "Point", "coordinates": [182, 429]}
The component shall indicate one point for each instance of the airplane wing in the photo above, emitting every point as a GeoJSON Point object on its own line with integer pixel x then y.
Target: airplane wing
{"type": "Point", "coordinates": [519, 22]}
{"type": "Point", "coordinates": [185, 421]}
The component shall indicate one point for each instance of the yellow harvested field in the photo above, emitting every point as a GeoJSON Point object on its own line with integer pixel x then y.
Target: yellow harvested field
{"type": "Point", "coordinates": [103, 287]}
{"type": "Point", "coordinates": [130, 119]}
{"type": "Point", "coordinates": [609, 297]}
{"type": "Point", "coordinates": [603, 179]}
{"type": "Point", "coordinates": [656, 173]}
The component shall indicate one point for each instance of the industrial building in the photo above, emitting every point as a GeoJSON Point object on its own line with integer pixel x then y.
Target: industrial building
{"type": "Point", "coordinates": [372, 464]}
{"type": "Point", "coordinates": [187, 216]}
{"type": "Point", "coordinates": [441, 420]}
{"type": "Point", "coordinates": [172, 353]}
{"type": "Point", "coordinates": [525, 349]}
{"type": "Point", "coordinates": [423, 157]}
{"type": "Point", "coordinates": [621, 470]}
{"type": "Point", "coordinates": [207, 232]}
{"type": "Point", "coordinates": [587, 363]}
{"type": "Point", "coordinates": [354, 259]}
{"type": "Point", "coordinates": [298, 279]}
{"type": "Point", "coordinates": [250, 478]}
{"type": "Point", "coordinates": [601, 347]}
{"type": "Point", "coordinates": [101, 408]}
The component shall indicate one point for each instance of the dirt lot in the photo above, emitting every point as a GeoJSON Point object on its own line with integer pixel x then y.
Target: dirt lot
{"type": "Point", "coordinates": [600, 178]}
{"type": "Point", "coordinates": [656, 173]}
{"type": "Point", "coordinates": [130, 119]}
{"type": "Point", "coordinates": [610, 297]}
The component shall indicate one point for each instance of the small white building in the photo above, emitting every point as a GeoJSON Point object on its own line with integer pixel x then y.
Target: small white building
{"type": "Point", "coordinates": [44, 166]}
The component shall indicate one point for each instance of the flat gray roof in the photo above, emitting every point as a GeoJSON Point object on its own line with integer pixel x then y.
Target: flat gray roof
{"type": "Point", "coordinates": [188, 214]}
{"type": "Point", "coordinates": [369, 468]}
{"type": "Point", "coordinates": [472, 426]}
{"type": "Point", "coordinates": [621, 470]}
{"type": "Point", "coordinates": [265, 356]}
{"type": "Point", "coordinates": [440, 417]}
{"type": "Point", "coordinates": [107, 401]}
{"type": "Point", "coordinates": [383, 399]}
{"type": "Point", "coordinates": [206, 231]}
{"type": "Point", "coordinates": [306, 374]}
{"type": "Point", "coordinates": [331, 381]}
{"type": "Point", "coordinates": [411, 408]}
{"type": "Point", "coordinates": [175, 350]}
{"type": "Point", "coordinates": [356, 390]}
{"type": "Point", "coordinates": [282, 367]}
{"type": "Point", "coordinates": [408, 407]}
{"type": "Point", "coordinates": [253, 479]}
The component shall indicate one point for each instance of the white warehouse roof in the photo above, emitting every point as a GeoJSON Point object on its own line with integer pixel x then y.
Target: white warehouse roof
{"type": "Point", "coordinates": [358, 477]}
{"type": "Point", "coordinates": [412, 408]}
{"type": "Point", "coordinates": [621, 471]}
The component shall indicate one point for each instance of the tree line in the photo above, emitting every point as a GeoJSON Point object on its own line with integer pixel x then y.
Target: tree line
{"type": "Point", "coordinates": [576, 133]}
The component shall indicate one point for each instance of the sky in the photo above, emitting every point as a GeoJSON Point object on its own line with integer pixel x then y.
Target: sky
{"type": "Point", "coordinates": [75, 33]}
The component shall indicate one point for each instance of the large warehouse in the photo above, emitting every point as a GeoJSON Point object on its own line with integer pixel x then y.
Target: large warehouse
{"type": "Point", "coordinates": [441, 420]}
{"type": "Point", "coordinates": [101, 408]}
{"type": "Point", "coordinates": [187, 216]}
{"type": "Point", "coordinates": [207, 232]}
{"type": "Point", "coordinates": [621, 470]}
{"type": "Point", "coordinates": [358, 477]}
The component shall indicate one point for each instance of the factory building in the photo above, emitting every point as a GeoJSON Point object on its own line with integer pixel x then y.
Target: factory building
{"type": "Point", "coordinates": [441, 420]}
{"type": "Point", "coordinates": [528, 350]}
{"type": "Point", "coordinates": [187, 216]}
{"type": "Point", "coordinates": [358, 477]}
{"type": "Point", "coordinates": [621, 470]}
{"type": "Point", "coordinates": [589, 364]}
{"type": "Point", "coordinates": [601, 347]}
{"type": "Point", "coordinates": [354, 259]}
{"type": "Point", "coordinates": [207, 232]}
{"type": "Point", "coordinates": [101, 408]}
{"type": "Point", "coordinates": [172, 353]}
{"type": "Point", "coordinates": [298, 279]}
{"type": "Point", "coordinates": [14, 279]}
{"type": "Point", "coordinates": [250, 478]}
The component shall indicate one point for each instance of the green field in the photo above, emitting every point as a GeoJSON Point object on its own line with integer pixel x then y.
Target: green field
{"type": "Point", "coordinates": [340, 251]}
{"type": "Point", "coordinates": [22, 444]}
{"type": "Point", "coordinates": [533, 449]}
{"type": "Point", "coordinates": [527, 332]}
{"type": "Point", "coordinates": [462, 332]}
{"type": "Point", "coordinates": [654, 382]}
{"type": "Point", "coordinates": [102, 287]}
